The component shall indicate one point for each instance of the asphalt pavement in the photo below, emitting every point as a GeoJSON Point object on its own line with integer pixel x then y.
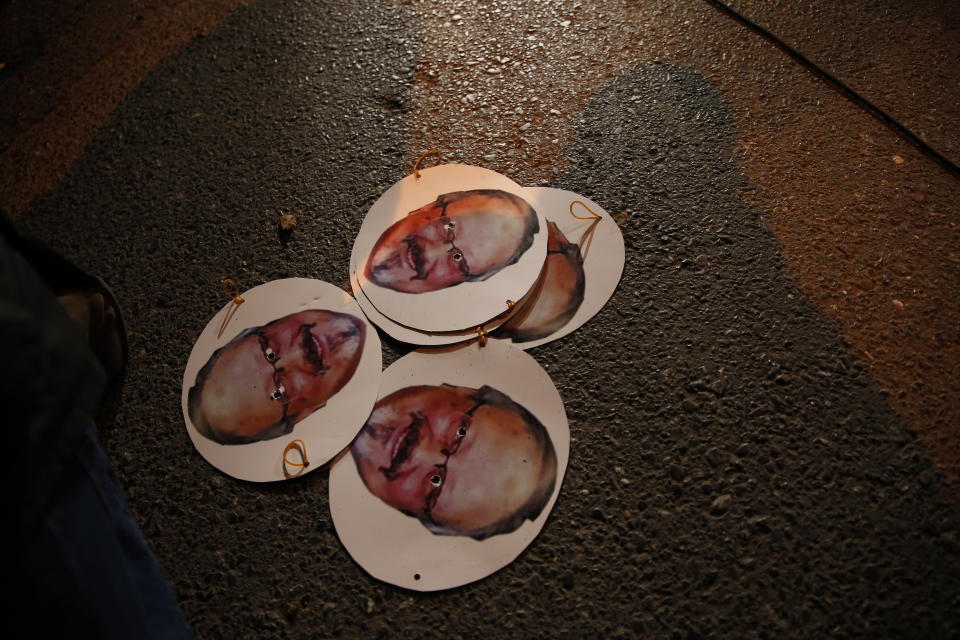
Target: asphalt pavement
{"type": "Point", "coordinates": [761, 446]}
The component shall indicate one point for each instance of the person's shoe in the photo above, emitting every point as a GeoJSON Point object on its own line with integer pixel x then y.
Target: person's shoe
{"type": "Point", "coordinates": [91, 304]}
{"type": "Point", "coordinates": [99, 320]}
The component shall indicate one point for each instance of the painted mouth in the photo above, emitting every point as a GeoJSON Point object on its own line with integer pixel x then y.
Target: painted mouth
{"type": "Point", "coordinates": [413, 257]}
{"type": "Point", "coordinates": [314, 350]}
{"type": "Point", "coordinates": [404, 444]}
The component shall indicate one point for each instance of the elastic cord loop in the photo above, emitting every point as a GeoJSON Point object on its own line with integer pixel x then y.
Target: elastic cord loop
{"type": "Point", "coordinates": [301, 448]}
{"type": "Point", "coordinates": [228, 284]}
{"type": "Point", "coordinates": [416, 166]}
{"type": "Point", "coordinates": [592, 216]}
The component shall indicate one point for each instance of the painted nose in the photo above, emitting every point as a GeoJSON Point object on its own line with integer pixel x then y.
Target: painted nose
{"type": "Point", "coordinates": [436, 251]}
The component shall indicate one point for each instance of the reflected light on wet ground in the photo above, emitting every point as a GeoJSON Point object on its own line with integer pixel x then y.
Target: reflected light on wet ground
{"type": "Point", "coordinates": [866, 223]}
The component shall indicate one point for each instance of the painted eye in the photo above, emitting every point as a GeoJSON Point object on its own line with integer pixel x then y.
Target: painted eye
{"type": "Point", "coordinates": [458, 256]}
{"type": "Point", "coordinates": [436, 480]}
{"type": "Point", "coordinates": [449, 225]}
{"type": "Point", "coordinates": [278, 393]}
{"type": "Point", "coordinates": [461, 432]}
{"type": "Point", "coordinates": [270, 354]}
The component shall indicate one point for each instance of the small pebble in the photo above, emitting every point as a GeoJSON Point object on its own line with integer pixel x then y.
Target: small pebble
{"type": "Point", "coordinates": [714, 457]}
{"type": "Point", "coordinates": [720, 505]}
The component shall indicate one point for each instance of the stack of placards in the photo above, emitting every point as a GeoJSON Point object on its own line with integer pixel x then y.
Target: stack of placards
{"type": "Point", "coordinates": [458, 450]}
{"type": "Point", "coordinates": [460, 250]}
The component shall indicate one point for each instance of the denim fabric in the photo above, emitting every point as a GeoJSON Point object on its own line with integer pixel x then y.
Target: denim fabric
{"type": "Point", "coordinates": [88, 571]}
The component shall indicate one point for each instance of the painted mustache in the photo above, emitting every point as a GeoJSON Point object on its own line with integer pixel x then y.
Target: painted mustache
{"type": "Point", "coordinates": [311, 349]}
{"type": "Point", "coordinates": [416, 256]}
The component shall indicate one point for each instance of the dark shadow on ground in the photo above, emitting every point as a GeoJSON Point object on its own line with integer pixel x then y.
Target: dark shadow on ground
{"type": "Point", "coordinates": [755, 480]}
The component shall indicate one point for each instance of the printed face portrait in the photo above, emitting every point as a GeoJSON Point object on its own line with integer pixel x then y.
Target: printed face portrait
{"type": "Point", "coordinates": [463, 236]}
{"type": "Point", "coordinates": [556, 296]}
{"type": "Point", "coordinates": [463, 461]}
{"type": "Point", "coordinates": [268, 378]}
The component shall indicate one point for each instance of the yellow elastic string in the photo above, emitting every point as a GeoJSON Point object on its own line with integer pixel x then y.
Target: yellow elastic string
{"type": "Point", "coordinates": [423, 156]}
{"type": "Point", "coordinates": [301, 448]}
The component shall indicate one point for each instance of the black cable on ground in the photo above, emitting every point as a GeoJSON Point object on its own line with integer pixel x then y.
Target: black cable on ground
{"type": "Point", "coordinates": [840, 86]}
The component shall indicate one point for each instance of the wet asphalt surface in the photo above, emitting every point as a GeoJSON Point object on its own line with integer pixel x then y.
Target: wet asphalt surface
{"type": "Point", "coordinates": [734, 470]}
{"type": "Point", "coordinates": [888, 51]}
